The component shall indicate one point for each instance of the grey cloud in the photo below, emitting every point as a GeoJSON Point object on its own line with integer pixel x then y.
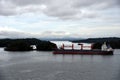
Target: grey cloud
{"type": "Point", "coordinates": [95, 5]}
{"type": "Point", "coordinates": [84, 3]}
{"type": "Point", "coordinates": [7, 8]}
{"type": "Point", "coordinates": [20, 34]}
{"type": "Point", "coordinates": [6, 13]}
{"type": "Point", "coordinates": [13, 34]}
{"type": "Point", "coordinates": [63, 9]}
{"type": "Point", "coordinates": [117, 2]}
{"type": "Point", "coordinates": [54, 33]}
{"type": "Point", "coordinates": [27, 2]}
{"type": "Point", "coordinates": [62, 12]}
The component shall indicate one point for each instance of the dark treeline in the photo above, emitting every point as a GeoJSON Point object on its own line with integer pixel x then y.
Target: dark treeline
{"type": "Point", "coordinates": [95, 40]}
{"type": "Point", "coordinates": [114, 42]}
{"type": "Point", "coordinates": [25, 44]}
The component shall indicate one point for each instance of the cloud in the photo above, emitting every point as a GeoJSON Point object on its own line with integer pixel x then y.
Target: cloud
{"type": "Point", "coordinates": [7, 8]}
{"type": "Point", "coordinates": [7, 32]}
{"type": "Point", "coordinates": [59, 18]}
{"type": "Point", "coordinates": [27, 2]}
{"type": "Point", "coordinates": [54, 34]}
{"type": "Point", "coordinates": [63, 9]}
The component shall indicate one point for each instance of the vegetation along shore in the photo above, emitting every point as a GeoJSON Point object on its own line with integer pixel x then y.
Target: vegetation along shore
{"type": "Point", "coordinates": [27, 44]}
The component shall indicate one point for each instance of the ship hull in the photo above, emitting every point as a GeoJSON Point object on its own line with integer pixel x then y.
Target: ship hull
{"type": "Point", "coordinates": [83, 52]}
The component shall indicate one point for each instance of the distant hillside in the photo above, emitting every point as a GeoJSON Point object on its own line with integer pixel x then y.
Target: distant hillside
{"type": "Point", "coordinates": [113, 41]}
{"type": "Point", "coordinates": [94, 40]}
{"type": "Point", "coordinates": [24, 44]}
{"type": "Point", "coordinates": [5, 42]}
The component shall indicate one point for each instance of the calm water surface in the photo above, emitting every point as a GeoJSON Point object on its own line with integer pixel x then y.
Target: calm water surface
{"type": "Point", "coordinates": [37, 65]}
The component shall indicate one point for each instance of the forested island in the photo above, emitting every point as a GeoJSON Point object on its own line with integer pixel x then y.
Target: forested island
{"type": "Point", "coordinates": [26, 44]}
{"type": "Point", "coordinates": [114, 42]}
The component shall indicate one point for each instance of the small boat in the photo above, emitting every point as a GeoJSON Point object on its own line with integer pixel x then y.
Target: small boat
{"type": "Point", "coordinates": [103, 51]}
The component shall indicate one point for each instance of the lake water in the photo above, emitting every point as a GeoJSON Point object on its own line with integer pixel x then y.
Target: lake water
{"type": "Point", "coordinates": [37, 65]}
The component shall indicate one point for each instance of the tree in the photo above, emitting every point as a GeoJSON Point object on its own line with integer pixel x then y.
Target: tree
{"type": "Point", "coordinates": [46, 46]}
{"type": "Point", "coordinates": [18, 45]}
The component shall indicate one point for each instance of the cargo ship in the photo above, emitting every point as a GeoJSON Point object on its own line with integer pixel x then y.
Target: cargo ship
{"type": "Point", "coordinates": [105, 50]}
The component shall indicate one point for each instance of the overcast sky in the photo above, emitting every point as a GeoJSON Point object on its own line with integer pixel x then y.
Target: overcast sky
{"type": "Point", "coordinates": [59, 18]}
